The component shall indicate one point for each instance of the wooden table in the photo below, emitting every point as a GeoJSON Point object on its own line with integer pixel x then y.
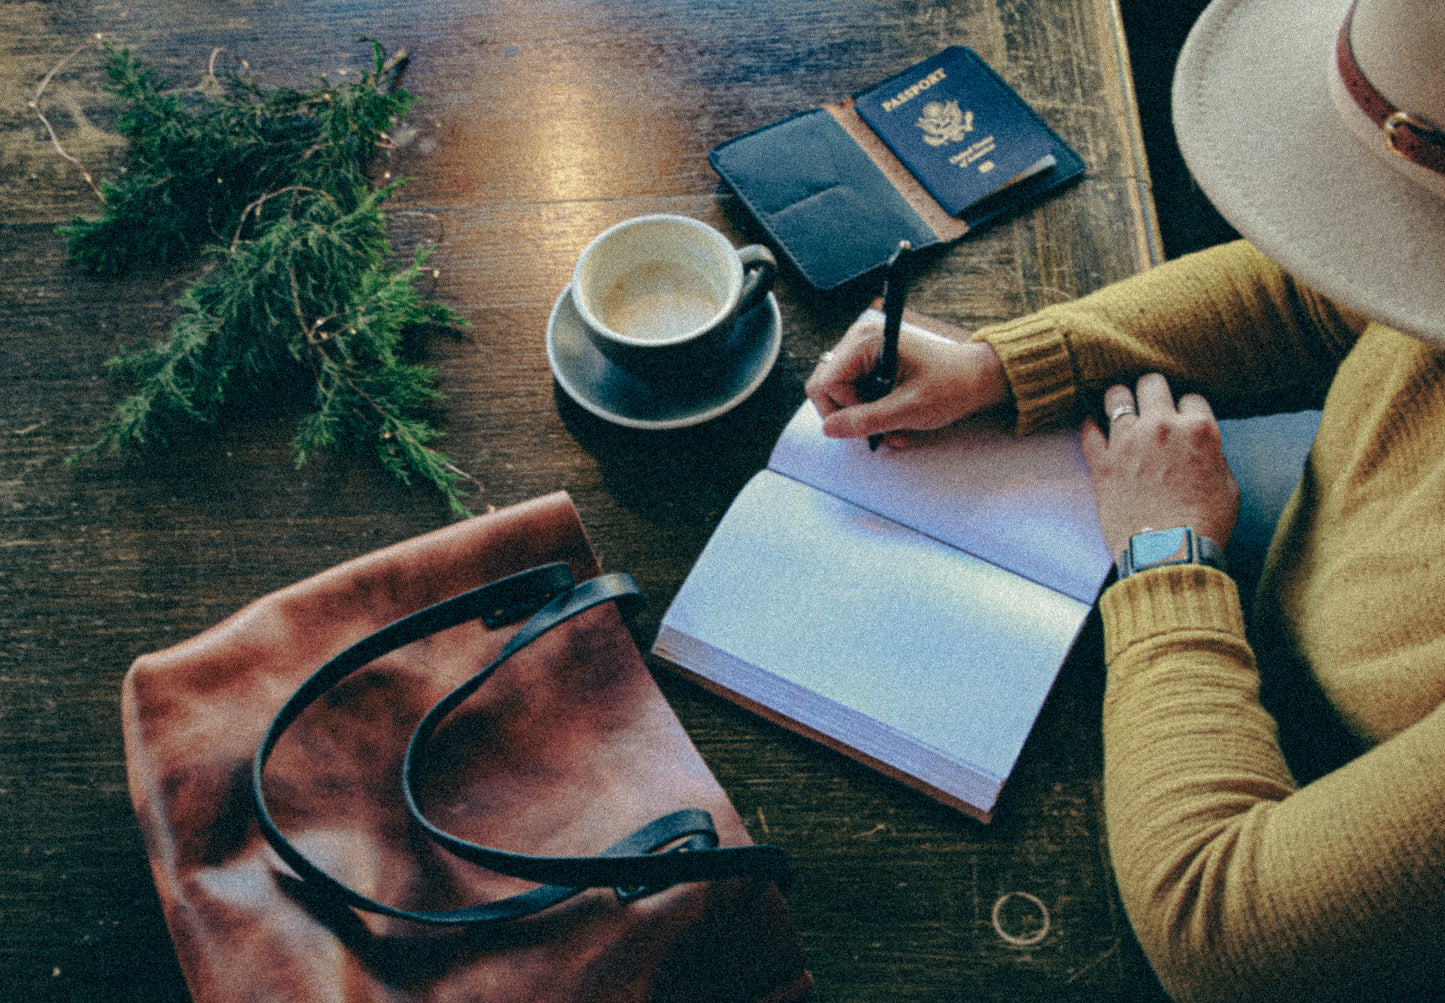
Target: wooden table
{"type": "Point", "coordinates": [541, 122]}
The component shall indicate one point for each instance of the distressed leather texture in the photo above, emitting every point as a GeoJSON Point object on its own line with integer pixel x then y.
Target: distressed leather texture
{"type": "Point", "coordinates": [568, 748]}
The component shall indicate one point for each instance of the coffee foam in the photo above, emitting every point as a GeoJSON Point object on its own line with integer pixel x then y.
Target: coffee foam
{"type": "Point", "coordinates": [658, 301]}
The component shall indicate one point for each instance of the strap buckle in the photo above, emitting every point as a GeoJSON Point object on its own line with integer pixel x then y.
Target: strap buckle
{"type": "Point", "coordinates": [1421, 126]}
{"type": "Point", "coordinates": [701, 841]}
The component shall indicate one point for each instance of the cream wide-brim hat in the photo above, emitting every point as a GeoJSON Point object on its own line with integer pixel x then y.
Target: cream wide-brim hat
{"type": "Point", "coordinates": [1298, 170]}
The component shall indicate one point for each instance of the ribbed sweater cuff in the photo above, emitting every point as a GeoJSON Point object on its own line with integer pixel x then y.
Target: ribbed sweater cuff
{"type": "Point", "coordinates": [1180, 597]}
{"type": "Point", "coordinates": [1040, 372]}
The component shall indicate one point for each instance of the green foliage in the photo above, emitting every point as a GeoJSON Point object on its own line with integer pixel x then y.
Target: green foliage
{"type": "Point", "coordinates": [269, 189]}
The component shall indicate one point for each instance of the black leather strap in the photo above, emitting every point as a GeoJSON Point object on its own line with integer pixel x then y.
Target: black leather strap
{"type": "Point", "coordinates": [633, 866]}
{"type": "Point", "coordinates": [650, 870]}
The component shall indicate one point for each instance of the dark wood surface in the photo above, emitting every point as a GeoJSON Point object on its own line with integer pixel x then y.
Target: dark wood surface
{"type": "Point", "coordinates": [540, 123]}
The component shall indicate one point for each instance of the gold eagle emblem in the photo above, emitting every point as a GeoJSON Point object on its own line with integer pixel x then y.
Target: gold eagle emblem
{"type": "Point", "coordinates": [944, 122]}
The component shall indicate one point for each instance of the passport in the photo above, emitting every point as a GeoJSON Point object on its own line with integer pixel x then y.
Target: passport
{"type": "Point", "coordinates": [836, 187]}
{"type": "Point", "coordinates": [959, 129]}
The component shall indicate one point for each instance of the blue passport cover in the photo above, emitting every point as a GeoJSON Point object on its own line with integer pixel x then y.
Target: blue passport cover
{"type": "Point", "coordinates": [957, 127]}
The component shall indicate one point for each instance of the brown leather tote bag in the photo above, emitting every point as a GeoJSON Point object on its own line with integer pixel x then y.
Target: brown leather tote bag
{"type": "Point", "coordinates": [442, 772]}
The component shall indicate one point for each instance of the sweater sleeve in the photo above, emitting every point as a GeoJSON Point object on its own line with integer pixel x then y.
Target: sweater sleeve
{"type": "Point", "coordinates": [1238, 884]}
{"type": "Point", "coordinates": [1226, 322]}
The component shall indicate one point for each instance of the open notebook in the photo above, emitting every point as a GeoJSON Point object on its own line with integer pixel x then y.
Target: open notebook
{"type": "Point", "coordinates": [907, 607]}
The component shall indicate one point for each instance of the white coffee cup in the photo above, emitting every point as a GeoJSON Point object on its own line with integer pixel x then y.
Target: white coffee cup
{"type": "Point", "coordinates": [660, 295]}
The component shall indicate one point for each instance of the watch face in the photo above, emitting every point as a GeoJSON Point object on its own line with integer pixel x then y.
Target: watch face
{"type": "Point", "coordinates": [1159, 546]}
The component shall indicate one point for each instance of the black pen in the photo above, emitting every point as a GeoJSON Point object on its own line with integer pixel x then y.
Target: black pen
{"type": "Point", "coordinates": [879, 382]}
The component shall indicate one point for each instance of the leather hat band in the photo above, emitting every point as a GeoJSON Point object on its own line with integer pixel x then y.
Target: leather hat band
{"type": "Point", "coordinates": [1413, 137]}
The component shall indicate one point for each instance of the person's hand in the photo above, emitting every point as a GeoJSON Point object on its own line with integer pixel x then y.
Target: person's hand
{"type": "Point", "coordinates": [1159, 466]}
{"type": "Point", "coordinates": [939, 381]}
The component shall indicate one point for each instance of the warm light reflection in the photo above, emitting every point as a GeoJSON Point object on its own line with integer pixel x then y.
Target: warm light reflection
{"type": "Point", "coordinates": [598, 111]}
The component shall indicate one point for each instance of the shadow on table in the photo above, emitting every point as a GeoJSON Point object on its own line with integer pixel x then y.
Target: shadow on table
{"type": "Point", "coordinates": [678, 476]}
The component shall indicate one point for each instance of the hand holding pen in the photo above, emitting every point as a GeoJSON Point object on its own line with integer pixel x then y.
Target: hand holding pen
{"type": "Point", "coordinates": [934, 381]}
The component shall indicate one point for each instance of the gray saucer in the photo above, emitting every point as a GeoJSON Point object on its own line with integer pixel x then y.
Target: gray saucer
{"type": "Point", "coordinates": [617, 396]}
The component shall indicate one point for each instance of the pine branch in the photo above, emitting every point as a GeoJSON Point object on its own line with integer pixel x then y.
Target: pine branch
{"type": "Point", "coordinates": [269, 189]}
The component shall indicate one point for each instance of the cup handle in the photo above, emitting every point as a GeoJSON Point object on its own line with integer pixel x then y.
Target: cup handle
{"type": "Point", "coordinates": [760, 268]}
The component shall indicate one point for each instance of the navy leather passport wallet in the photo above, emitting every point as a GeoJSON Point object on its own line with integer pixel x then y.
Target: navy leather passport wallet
{"type": "Point", "coordinates": [925, 156]}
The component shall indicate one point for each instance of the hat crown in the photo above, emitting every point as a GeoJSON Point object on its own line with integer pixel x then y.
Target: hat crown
{"type": "Point", "coordinates": [1399, 46]}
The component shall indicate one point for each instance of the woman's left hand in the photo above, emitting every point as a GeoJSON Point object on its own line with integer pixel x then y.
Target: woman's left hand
{"type": "Point", "coordinates": [1159, 466]}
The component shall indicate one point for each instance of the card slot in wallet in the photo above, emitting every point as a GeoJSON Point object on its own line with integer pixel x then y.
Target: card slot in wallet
{"type": "Point", "coordinates": [813, 166]}
{"type": "Point", "coordinates": [822, 199]}
{"type": "Point", "coordinates": [842, 232]}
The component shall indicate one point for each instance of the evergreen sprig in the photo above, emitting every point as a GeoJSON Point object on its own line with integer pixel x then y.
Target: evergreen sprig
{"type": "Point", "coordinates": [269, 189]}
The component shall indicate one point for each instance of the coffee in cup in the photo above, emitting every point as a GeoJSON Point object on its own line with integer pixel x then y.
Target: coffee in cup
{"type": "Point", "coordinates": [660, 295]}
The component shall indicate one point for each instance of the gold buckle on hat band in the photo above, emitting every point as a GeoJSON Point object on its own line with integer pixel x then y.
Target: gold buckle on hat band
{"type": "Point", "coordinates": [1421, 126]}
{"type": "Point", "coordinates": [1409, 136]}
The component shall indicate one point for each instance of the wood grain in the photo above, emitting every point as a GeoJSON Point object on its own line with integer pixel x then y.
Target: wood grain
{"type": "Point", "coordinates": [540, 123]}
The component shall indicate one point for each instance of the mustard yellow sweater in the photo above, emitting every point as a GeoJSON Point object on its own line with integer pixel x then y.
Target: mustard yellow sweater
{"type": "Point", "coordinates": [1242, 883]}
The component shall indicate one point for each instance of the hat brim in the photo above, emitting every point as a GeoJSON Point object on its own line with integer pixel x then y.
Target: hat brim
{"type": "Point", "coordinates": [1259, 131]}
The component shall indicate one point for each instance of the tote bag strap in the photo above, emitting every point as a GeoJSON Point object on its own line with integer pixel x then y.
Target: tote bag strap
{"type": "Point", "coordinates": [678, 847]}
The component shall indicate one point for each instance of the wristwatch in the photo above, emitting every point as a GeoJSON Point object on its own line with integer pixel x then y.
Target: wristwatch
{"type": "Point", "coordinates": [1155, 548]}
